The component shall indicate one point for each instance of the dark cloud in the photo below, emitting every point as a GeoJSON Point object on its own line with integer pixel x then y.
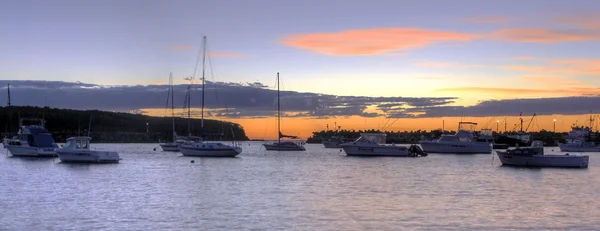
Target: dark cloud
{"type": "Point", "coordinates": [256, 100]}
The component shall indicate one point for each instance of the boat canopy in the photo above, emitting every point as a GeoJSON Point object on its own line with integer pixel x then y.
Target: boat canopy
{"type": "Point", "coordinates": [374, 137]}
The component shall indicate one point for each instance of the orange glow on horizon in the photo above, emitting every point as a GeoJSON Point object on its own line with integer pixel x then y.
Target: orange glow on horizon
{"type": "Point", "coordinates": [266, 127]}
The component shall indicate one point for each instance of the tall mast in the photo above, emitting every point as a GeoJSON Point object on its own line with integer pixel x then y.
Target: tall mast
{"type": "Point", "coordinates": [278, 113]}
{"type": "Point", "coordinates": [189, 97]}
{"type": "Point", "coordinates": [172, 103]}
{"type": "Point", "coordinates": [9, 94]}
{"type": "Point", "coordinates": [203, 71]}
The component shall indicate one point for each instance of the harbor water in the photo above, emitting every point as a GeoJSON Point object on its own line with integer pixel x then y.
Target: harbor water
{"type": "Point", "coordinates": [319, 189]}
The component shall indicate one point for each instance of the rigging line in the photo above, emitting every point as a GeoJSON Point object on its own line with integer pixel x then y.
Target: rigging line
{"type": "Point", "coordinates": [197, 61]}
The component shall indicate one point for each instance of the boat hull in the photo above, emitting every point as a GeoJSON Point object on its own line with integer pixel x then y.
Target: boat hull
{"type": "Point", "coordinates": [456, 148]}
{"type": "Point", "coordinates": [576, 148]}
{"type": "Point", "coordinates": [332, 144]}
{"type": "Point", "coordinates": [170, 147]}
{"type": "Point", "coordinates": [357, 150]}
{"type": "Point", "coordinates": [209, 151]}
{"type": "Point", "coordinates": [275, 147]}
{"type": "Point", "coordinates": [88, 156]}
{"type": "Point", "coordinates": [559, 161]}
{"type": "Point", "coordinates": [31, 151]}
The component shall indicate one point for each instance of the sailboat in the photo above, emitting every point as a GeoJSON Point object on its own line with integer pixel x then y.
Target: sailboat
{"type": "Point", "coordinates": [202, 148]}
{"type": "Point", "coordinates": [285, 145]}
{"type": "Point", "coordinates": [174, 145]}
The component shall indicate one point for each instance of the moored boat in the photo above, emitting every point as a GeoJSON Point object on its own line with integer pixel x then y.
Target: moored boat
{"type": "Point", "coordinates": [373, 144]}
{"type": "Point", "coordinates": [534, 156]}
{"type": "Point", "coordinates": [32, 140]}
{"type": "Point", "coordinates": [77, 150]}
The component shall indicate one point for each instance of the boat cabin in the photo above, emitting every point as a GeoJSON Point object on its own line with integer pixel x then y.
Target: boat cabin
{"type": "Point", "coordinates": [35, 136]}
{"type": "Point", "coordinates": [78, 142]}
{"type": "Point", "coordinates": [537, 148]}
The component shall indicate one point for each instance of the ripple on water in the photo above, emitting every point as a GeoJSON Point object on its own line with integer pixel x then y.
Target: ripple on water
{"type": "Point", "coordinates": [320, 189]}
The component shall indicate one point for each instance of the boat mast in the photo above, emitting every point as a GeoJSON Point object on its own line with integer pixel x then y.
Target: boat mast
{"type": "Point", "coordinates": [189, 94]}
{"type": "Point", "coordinates": [203, 72]}
{"type": "Point", "coordinates": [9, 94]}
{"type": "Point", "coordinates": [278, 113]}
{"type": "Point", "coordinates": [172, 103]}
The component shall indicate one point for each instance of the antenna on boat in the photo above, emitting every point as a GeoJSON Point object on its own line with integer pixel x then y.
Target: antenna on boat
{"type": "Point", "coordinates": [90, 126]}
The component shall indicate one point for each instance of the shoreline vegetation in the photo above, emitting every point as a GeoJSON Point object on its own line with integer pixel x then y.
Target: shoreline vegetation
{"type": "Point", "coordinates": [413, 137]}
{"type": "Point", "coordinates": [114, 127]}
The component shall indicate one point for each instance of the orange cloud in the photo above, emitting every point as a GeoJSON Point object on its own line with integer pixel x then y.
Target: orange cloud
{"type": "Point", "coordinates": [538, 35]}
{"type": "Point", "coordinates": [489, 20]}
{"type": "Point", "coordinates": [373, 41]}
{"type": "Point", "coordinates": [181, 48]}
{"type": "Point", "coordinates": [226, 55]}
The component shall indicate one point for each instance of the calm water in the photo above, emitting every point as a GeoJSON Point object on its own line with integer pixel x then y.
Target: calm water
{"type": "Point", "coordinates": [320, 189]}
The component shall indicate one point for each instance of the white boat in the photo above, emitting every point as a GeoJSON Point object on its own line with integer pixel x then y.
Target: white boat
{"type": "Point", "coordinates": [283, 145]}
{"type": "Point", "coordinates": [463, 142]}
{"type": "Point", "coordinates": [372, 144]}
{"type": "Point", "coordinates": [174, 145]}
{"type": "Point", "coordinates": [209, 149]}
{"type": "Point", "coordinates": [580, 140]}
{"type": "Point", "coordinates": [77, 149]}
{"type": "Point", "coordinates": [202, 148]}
{"type": "Point", "coordinates": [32, 140]}
{"type": "Point", "coordinates": [534, 156]}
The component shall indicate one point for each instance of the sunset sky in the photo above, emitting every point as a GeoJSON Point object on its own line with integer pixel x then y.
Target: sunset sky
{"type": "Point", "coordinates": [471, 55]}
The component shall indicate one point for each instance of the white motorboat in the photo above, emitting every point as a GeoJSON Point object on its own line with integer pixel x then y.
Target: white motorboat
{"type": "Point", "coordinates": [202, 148]}
{"type": "Point", "coordinates": [32, 140]}
{"type": "Point", "coordinates": [283, 145]}
{"type": "Point", "coordinates": [534, 156]}
{"type": "Point", "coordinates": [77, 149]}
{"type": "Point", "coordinates": [373, 144]}
{"type": "Point", "coordinates": [580, 140]}
{"type": "Point", "coordinates": [463, 142]}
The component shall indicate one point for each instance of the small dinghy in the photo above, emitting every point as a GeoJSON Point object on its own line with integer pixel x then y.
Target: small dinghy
{"type": "Point", "coordinates": [77, 149]}
{"type": "Point", "coordinates": [534, 156]}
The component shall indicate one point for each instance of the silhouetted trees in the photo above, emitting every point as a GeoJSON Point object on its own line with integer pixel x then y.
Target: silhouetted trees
{"type": "Point", "coordinates": [114, 126]}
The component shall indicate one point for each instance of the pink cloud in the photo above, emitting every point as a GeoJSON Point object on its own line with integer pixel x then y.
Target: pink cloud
{"type": "Point", "coordinates": [539, 35]}
{"type": "Point", "coordinates": [489, 19]}
{"type": "Point", "coordinates": [374, 41]}
{"type": "Point", "coordinates": [583, 21]}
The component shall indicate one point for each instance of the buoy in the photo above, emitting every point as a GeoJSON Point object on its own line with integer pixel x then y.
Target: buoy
{"type": "Point", "coordinates": [154, 149]}
{"type": "Point", "coordinates": [192, 161]}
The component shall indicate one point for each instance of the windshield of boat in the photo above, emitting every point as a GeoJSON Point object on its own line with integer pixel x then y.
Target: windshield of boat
{"type": "Point", "coordinates": [373, 137]}
{"type": "Point", "coordinates": [69, 144]}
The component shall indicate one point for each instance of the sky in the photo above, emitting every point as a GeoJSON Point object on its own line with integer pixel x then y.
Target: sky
{"type": "Point", "coordinates": [456, 58]}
